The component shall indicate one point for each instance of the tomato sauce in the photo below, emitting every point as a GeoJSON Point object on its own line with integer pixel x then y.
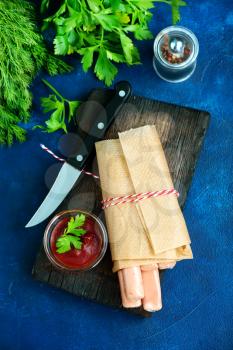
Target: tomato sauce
{"type": "Point", "coordinates": [91, 247]}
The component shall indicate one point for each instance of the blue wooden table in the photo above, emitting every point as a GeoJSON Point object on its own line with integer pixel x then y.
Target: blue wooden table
{"type": "Point", "coordinates": [198, 294]}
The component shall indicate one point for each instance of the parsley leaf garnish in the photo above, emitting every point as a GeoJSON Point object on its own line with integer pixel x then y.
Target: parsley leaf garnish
{"type": "Point", "coordinates": [72, 234]}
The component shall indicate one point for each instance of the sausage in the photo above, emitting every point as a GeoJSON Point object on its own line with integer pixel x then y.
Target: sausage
{"type": "Point", "coordinates": [152, 300]}
{"type": "Point", "coordinates": [166, 265]}
{"type": "Point", "coordinates": [132, 278]}
{"type": "Point", "coordinates": [148, 267]}
{"type": "Point", "coordinates": [126, 302]}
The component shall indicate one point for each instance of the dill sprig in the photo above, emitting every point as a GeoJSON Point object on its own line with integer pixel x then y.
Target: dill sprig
{"type": "Point", "coordinates": [22, 54]}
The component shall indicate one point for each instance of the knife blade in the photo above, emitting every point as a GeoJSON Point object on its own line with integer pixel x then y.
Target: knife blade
{"type": "Point", "coordinates": [91, 128]}
{"type": "Point", "coordinates": [64, 182]}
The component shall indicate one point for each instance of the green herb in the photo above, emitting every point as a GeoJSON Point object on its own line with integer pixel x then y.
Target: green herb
{"type": "Point", "coordinates": [22, 55]}
{"type": "Point", "coordinates": [101, 31]}
{"type": "Point", "coordinates": [72, 234]}
{"type": "Point", "coordinates": [176, 4]}
{"type": "Point", "coordinates": [63, 110]}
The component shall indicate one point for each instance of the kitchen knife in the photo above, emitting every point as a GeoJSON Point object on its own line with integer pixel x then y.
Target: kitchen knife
{"type": "Point", "coordinates": [92, 126]}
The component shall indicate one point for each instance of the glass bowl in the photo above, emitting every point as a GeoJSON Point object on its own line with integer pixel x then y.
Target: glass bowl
{"type": "Point", "coordinates": [94, 246]}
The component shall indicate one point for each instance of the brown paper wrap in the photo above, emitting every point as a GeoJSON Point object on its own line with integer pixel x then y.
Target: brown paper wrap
{"type": "Point", "coordinates": [152, 230]}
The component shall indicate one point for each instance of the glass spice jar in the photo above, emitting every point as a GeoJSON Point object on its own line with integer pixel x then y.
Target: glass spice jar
{"type": "Point", "coordinates": [175, 54]}
{"type": "Point", "coordinates": [94, 242]}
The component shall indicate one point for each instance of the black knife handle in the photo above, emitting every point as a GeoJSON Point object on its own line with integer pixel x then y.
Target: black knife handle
{"type": "Point", "coordinates": [94, 120]}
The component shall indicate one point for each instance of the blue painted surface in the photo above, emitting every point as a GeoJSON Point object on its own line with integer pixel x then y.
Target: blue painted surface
{"type": "Point", "coordinates": [198, 294]}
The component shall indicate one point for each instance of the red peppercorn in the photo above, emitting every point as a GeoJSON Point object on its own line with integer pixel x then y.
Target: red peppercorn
{"type": "Point", "coordinates": [187, 51]}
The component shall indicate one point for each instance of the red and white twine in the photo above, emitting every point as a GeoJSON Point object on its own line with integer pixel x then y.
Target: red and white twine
{"type": "Point", "coordinates": [134, 198]}
{"type": "Point", "coordinates": [52, 154]}
{"type": "Point", "coordinates": [131, 198]}
{"type": "Point", "coordinates": [63, 160]}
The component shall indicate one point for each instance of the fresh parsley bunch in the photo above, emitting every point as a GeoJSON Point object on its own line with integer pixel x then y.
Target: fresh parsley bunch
{"type": "Point", "coordinates": [101, 31]}
{"type": "Point", "coordinates": [22, 55]}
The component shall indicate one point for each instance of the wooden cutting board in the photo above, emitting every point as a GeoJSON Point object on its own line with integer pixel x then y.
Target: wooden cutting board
{"type": "Point", "coordinates": [181, 131]}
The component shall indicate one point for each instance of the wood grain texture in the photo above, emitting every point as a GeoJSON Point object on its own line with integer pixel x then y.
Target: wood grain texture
{"type": "Point", "coordinates": [181, 131]}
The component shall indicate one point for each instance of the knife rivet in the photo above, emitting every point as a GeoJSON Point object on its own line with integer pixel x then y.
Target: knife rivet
{"type": "Point", "coordinates": [100, 126]}
{"type": "Point", "coordinates": [79, 158]}
{"type": "Point", "coordinates": [121, 93]}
